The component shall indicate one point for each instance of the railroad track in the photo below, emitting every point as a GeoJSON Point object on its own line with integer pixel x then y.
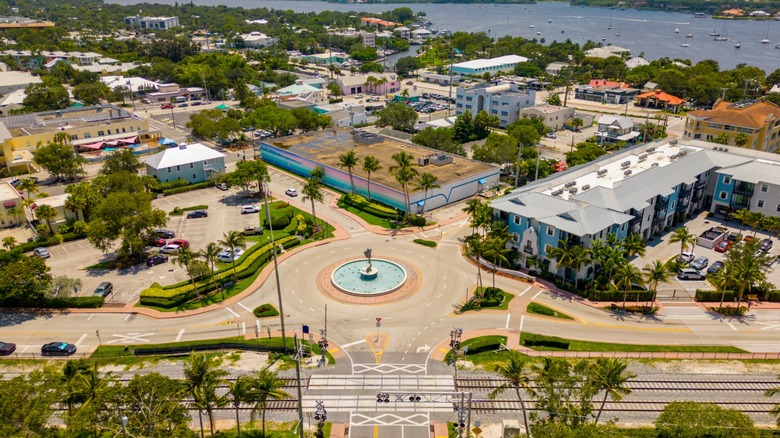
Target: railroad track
{"type": "Point", "coordinates": [488, 384]}
{"type": "Point", "coordinates": [492, 406]}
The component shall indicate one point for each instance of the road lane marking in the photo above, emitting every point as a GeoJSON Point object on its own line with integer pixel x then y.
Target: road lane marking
{"type": "Point", "coordinates": [507, 321]}
{"type": "Point", "coordinates": [243, 328]}
{"type": "Point", "coordinates": [128, 316]}
{"type": "Point", "coordinates": [81, 339]}
{"type": "Point", "coordinates": [732, 326]}
{"type": "Point", "coordinates": [537, 294]}
{"type": "Point", "coordinates": [231, 311]}
{"type": "Point", "coordinates": [245, 308]}
{"type": "Point", "coordinates": [90, 317]}
{"type": "Point", "coordinates": [300, 300]}
{"type": "Point", "coordinates": [178, 337]}
{"type": "Point", "coordinates": [351, 344]}
{"type": "Point", "coordinates": [523, 292]}
{"type": "Point", "coordinates": [522, 320]}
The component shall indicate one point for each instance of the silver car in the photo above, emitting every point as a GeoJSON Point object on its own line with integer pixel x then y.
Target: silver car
{"type": "Point", "coordinates": [700, 263]}
{"type": "Point", "coordinates": [689, 274]}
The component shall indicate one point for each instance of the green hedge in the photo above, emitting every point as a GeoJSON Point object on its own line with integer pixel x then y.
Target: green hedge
{"type": "Point", "coordinates": [175, 184]}
{"type": "Point", "coordinates": [540, 309]}
{"type": "Point", "coordinates": [196, 186]}
{"type": "Point", "coordinates": [417, 220]}
{"type": "Point", "coordinates": [246, 266]}
{"type": "Point", "coordinates": [178, 211]}
{"type": "Point", "coordinates": [617, 295]}
{"type": "Point", "coordinates": [532, 340]}
{"type": "Point", "coordinates": [265, 311]}
{"type": "Point", "coordinates": [713, 296]}
{"type": "Point", "coordinates": [373, 208]}
{"type": "Point", "coordinates": [424, 242]}
{"type": "Point", "coordinates": [57, 303]}
{"type": "Point", "coordinates": [773, 296]}
{"type": "Point", "coordinates": [55, 239]}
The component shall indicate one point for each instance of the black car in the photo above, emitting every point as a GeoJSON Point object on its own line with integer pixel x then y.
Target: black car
{"type": "Point", "coordinates": [58, 349]}
{"type": "Point", "coordinates": [156, 260]}
{"type": "Point", "coordinates": [7, 348]}
{"type": "Point", "coordinates": [165, 234]}
{"type": "Point", "coordinates": [197, 214]}
{"type": "Point", "coordinates": [766, 245]}
{"type": "Point", "coordinates": [715, 267]}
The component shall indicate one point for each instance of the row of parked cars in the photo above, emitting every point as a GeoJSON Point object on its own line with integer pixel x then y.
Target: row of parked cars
{"type": "Point", "coordinates": [50, 349]}
{"type": "Point", "coordinates": [697, 265]}
{"type": "Point", "coordinates": [436, 96]}
{"type": "Point", "coordinates": [427, 107]}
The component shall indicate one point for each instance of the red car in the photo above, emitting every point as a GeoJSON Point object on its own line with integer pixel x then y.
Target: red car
{"type": "Point", "coordinates": [723, 246]}
{"type": "Point", "coordinates": [166, 106]}
{"type": "Point", "coordinates": [181, 242]}
{"type": "Point", "coordinates": [157, 242]}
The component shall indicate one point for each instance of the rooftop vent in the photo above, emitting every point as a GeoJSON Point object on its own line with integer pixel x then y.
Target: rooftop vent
{"type": "Point", "coordinates": [573, 190]}
{"type": "Point", "coordinates": [654, 165]}
{"type": "Point", "coordinates": [650, 150]}
{"type": "Point", "coordinates": [570, 184]}
{"type": "Point", "coordinates": [627, 172]}
{"type": "Point", "coordinates": [601, 172]}
{"type": "Point", "coordinates": [182, 146]}
{"type": "Point", "coordinates": [625, 164]}
{"type": "Point", "coordinates": [585, 187]}
{"type": "Point", "coordinates": [642, 158]}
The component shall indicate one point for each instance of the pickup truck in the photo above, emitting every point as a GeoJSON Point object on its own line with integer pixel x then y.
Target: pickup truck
{"type": "Point", "coordinates": [251, 231]}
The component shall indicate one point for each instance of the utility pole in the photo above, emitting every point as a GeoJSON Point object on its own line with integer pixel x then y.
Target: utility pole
{"type": "Point", "coordinates": [298, 356]}
{"type": "Point", "coordinates": [449, 101]}
{"type": "Point", "coordinates": [455, 335]}
{"type": "Point", "coordinates": [276, 266]}
{"type": "Point", "coordinates": [538, 156]}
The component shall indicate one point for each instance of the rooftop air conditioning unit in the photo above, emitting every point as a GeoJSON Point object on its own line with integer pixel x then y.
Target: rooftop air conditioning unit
{"type": "Point", "coordinates": [627, 172]}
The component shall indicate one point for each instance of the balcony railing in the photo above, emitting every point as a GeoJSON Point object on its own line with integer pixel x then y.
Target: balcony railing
{"type": "Point", "coordinates": [700, 184]}
{"type": "Point", "coordinates": [744, 189]}
{"type": "Point", "coordinates": [661, 204]}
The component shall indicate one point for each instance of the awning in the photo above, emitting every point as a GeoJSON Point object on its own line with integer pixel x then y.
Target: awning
{"type": "Point", "coordinates": [9, 204]}
{"type": "Point", "coordinates": [630, 136]}
{"type": "Point", "coordinates": [421, 203]}
{"type": "Point", "coordinates": [482, 181]}
{"type": "Point", "coordinates": [95, 146]}
{"type": "Point", "coordinates": [165, 141]}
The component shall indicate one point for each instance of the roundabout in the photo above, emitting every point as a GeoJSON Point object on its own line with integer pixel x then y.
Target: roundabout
{"type": "Point", "coordinates": [351, 281]}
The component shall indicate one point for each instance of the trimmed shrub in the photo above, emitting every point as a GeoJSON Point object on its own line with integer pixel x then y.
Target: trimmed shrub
{"type": "Point", "coordinates": [540, 309]}
{"type": "Point", "coordinates": [178, 211]}
{"type": "Point", "coordinates": [373, 208]}
{"type": "Point", "coordinates": [632, 308]}
{"type": "Point", "coordinates": [714, 296]}
{"type": "Point", "coordinates": [417, 220]}
{"type": "Point", "coordinates": [617, 295]}
{"type": "Point", "coordinates": [175, 184]}
{"type": "Point", "coordinates": [55, 239]}
{"type": "Point", "coordinates": [773, 296]}
{"type": "Point", "coordinates": [729, 311]}
{"type": "Point", "coordinates": [532, 340]}
{"type": "Point", "coordinates": [265, 311]}
{"type": "Point", "coordinates": [196, 186]}
{"type": "Point", "coordinates": [423, 242]}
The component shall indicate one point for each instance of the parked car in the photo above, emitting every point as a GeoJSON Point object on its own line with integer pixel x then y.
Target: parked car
{"type": "Point", "coordinates": [196, 103]}
{"type": "Point", "coordinates": [158, 242]}
{"type": "Point", "coordinates": [551, 135]}
{"type": "Point", "coordinates": [246, 209]}
{"type": "Point", "coordinates": [58, 349]}
{"type": "Point", "coordinates": [689, 274]}
{"type": "Point", "coordinates": [42, 252]}
{"type": "Point", "coordinates": [723, 246]}
{"type": "Point", "coordinates": [686, 257]}
{"type": "Point", "coordinates": [7, 348]}
{"type": "Point", "coordinates": [766, 245]}
{"type": "Point", "coordinates": [103, 290]}
{"type": "Point", "coordinates": [291, 192]}
{"type": "Point", "coordinates": [735, 238]}
{"type": "Point", "coordinates": [409, 82]}
{"type": "Point", "coordinates": [700, 263]}
{"type": "Point", "coordinates": [252, 231]}
{"type": "Point", "coordinates": [197, 214]}
{"type": "Point", "coordinates": [156, 260]}
{"type": "Point", "coordinates": [715, 267]}
{"type": "Point", "coordinates": [359, 96]}
{"type": "Point", "coordinates": [170, 249]}
{"type": "Point", "coordinates": [166, 234]}
{"type": "Point", "coordinates": [226, 256]}
{"type": "Point", "coordinates": [181, 242]}
{"type": "Point", "coordinates": [748, 239]}
{"type": "Point", "coordinates": [166, 106]}
{"type": "Point", "coordinates": [222, 186]}
{"type": "Point", "coordinates": [183, 105]}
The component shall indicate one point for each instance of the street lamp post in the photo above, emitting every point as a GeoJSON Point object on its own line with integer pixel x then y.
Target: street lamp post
{"type": "Point", "coordinates": [276, 265]}
{"type": "Point", "coordinates": [455, 335]}
{"type": "Point", "coordinates": [173, 118]}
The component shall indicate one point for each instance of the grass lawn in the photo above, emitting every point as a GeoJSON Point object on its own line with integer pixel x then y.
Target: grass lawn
{"type": "Point", "coordinates": [541, 309]}
{"type": "Point", "coordinates": [575, 345]}
{"type": "Point", "coordinates": [481, 343]}
{"type": "Point", "coordinates": [370, 218]}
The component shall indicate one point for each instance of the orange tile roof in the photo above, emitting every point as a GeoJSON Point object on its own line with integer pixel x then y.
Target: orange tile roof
{"type": "Point", "coordinates": [606, 83]}
{"type": "Point", "coordinates": [660, 95]}
{"type": "Point", "coordinates": [753, 116]}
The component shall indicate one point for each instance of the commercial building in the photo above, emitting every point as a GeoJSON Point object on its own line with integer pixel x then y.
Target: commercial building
{"type": "Point", "coordinates": [11, 201]}
{"type": "Point", "coordinates": [435, 78]}
{"type": "Point", "coordinates": [403, 32]}
{"type": "Point", "coordinates": [504, 101]}
{"type": "Point", "coordinates": [7, 22]}
{"type": "Point", "coordinates": [152, 22]}
{"type": "Point", "coordinates": [257, 40]}
{"type": "Point", "coordinates": [378, 24]}
{"type": "Point", "coordinates": [607, 51]}
{"type": "Point", "coordinates": [759, 121]}
{"type": "Point", "coordinates": [192, 162]}
{"type": "Point", "coordinates": [57, 202]}
{"type": "Point", "coordinates": [552, 116]}
{"type": "Point", "coordinates": [660, 100]}
{"type": "Point", "coordinates": [383, 83]}
{"type": "Point", "coordinates": [326, 58]}
{"type": "Point", "coordinates": [90, 128]}
{"type": "Point", "coordinates": [641, 190]}
{"type": "Point", "coordinates": [616, 128]}
{"type": "Point", "coordinates": [303, 92]}
{"type": "Point", "coordinates": [504, 64]}
{"type": "Point", "coordinates": [344, 114]}
{"type": "Point", "coordinates": [11, 81]}
{"type": "Point", "coordinates": [459, 177]}
{"type": "Point", "coordinates": [368, 38]}
{"type": "Point", "coordinates": [421, 34]}
{"type": "Point", "coordinates": [605, 93]}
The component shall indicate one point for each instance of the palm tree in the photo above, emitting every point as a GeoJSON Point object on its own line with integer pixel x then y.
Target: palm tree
{"type": "Point", "coordinates": [267, 386]}
{"type": "Point", "coordinates": [312, 191]}
{"type": "Point", "coordinates": [517, 377]}
{"type": "Point", "coordinates": [242, 390]}
{"type": "Point", "coordinates": [741, 139]}
{"type": "Point", "coordinates": [475, 246]}
{"type": "Point", "coordinates": [494, 250]}
{"type": "Point", "coordinates": [471, 208]}
{"type": "Point", "coordinates": [47, 213]}
{"type": "Point", "coordinates": [655, 273]}
{"type": "Point", "coordinates": [633, 245]}
{"type": "Point", "coordinates": [370, 164]}
{"type": "Point", "coordinates": [426, 182]}
{"type": "Point", "coordinates": [685, 238]}
{"type": "Point", "coordinates": [610, 375]}
{"type": "Point", "coordinates": [483, 218]}
{"type": "Point", "coordinates": [233, 239]}
{"type": "Point", "coordinates": [15, 213]}
{"type": "Point", "coordinates": [185, 258]}
{"type": "Point", "coordinates": [9, 242]}
{"type": "Point", "coordinates": [624, 277]}
{"type": "Point", "coordinates": [579, 255]}
{"type": "Point", "coordinates": [89, 388]}
{"type": "Point", "coordinates": [209, 254]}
{"type": "Point", "coordinates": [350, 161]}
{"type": "Point", "coordinates": [723, 280]}
{"type": "Point", "coordinates": [562, 254]}
{"type": "Point", "coordinates": [749, 218]}
{"type": "Point", "coordinates": [201, 378]}
{"type": "Point", "coordinates": [403, 176]}
{"type": "Point", "coordinates": [28, 185]}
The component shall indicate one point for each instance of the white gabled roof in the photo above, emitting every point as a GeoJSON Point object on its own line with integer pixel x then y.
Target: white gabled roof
{"type": "Point", "coordinates": [754, 172]}
{"type": "Point", "coordinates": [493, 62]}
{"type": "Point", "coordinates": [184, 154]}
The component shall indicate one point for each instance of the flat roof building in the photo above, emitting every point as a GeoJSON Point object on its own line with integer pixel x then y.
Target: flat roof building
{"type": "Point", "coordinates": [504, 101]}
{"type": "Point", "coordinates": [504, 64]}
{"type": "Point", "coordinates": [11, 81]}
{"type": "Point", "coordinates": [152, 22]}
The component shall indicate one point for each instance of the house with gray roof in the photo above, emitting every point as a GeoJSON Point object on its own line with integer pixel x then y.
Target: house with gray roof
{"type": "Point", "coordinates": [192, 162]}
{"type": "Point", "coordinates": [616, 128]}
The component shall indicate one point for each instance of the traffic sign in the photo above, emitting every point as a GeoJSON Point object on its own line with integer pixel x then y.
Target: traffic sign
{"type": "Point", "coordinates": [378, 320]}
{"type": "Point", "coordinates": [476, 430]}
{"type": "Point", "coordinates": [305, 329]}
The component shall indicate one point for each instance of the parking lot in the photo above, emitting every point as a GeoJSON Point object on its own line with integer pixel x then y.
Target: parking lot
{"type": "Point", "coordinates": [661, 249]}
{"type": "Point", "coordinates": [224, 214]}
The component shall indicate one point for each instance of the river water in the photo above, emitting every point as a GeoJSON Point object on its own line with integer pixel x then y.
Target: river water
{"type": "Point", "coordinates": [640, 31]}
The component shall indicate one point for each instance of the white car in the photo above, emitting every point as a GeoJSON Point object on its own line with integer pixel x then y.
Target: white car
{"type": "Point", "coordinates": [227, 257]}
{"type": "Point", "coordinates": [291, 192]}
{"type": "Point", "coordinates": [42, 252]}
{"type": "Point", "coordinates": [245, 209]}
{"type": "Point", "coordinates": [170, 249]}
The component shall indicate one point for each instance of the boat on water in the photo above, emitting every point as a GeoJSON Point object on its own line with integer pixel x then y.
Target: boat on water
{"type": "Point", "coordinates": [765, 41]}
{"type": "Point", "coordinates": [699, 15]}
{"type": "Point", "coordinates": [723, 35]}
{"type": "Point", "coordinates": [714, 32]}
{"type": "Point", "coordinates": [549, 20]}
{"type": "Point", "coordinates": [685, 45]}
{"type": "Point", "coordinates": [676, 30]}
{"type": "Point", "coordinates": [737, 45]}
{"type": "Point", "coordinates": [617, 34]}
{"type": "Point", "coordinates": [609, 26]}
{"type": "Point", "coordinates": [777, 46]}
{"type": "Point", "coordinates": [538, 33]}
{"type": "Point", "coordinates": [530, 26]}
{"type": "Point", "coordinates": [688, 35]}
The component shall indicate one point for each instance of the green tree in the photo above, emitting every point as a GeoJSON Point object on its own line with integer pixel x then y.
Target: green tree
{"type": "Point", "coordinates": [233, 239]}
{"type": "Point", "coordinates": [212, 124]}
{"type": "Point", "coordinates": [272, 118]}
{"type": "Point", "coordinates": [59, 160]}
{"type": "Point", "coordinates": [517, 377]}
{"type": "Point", "coordinates": [201, 377]}
{"type": "Point", "coordinates": [554, 99]}
{"type": "Point", "coordinates": [633, 245]}
{"type": "Point", "coordinates": [741, 139]}
{"type": "Point", "coordinates": [463, 128]}
{"type": "Point", "coordinates": [498, 149]}
{"type": "Point", "coordinates": [209, 255]}
{"type": "Point", "coordinates": [655, 273]}
{"type": "Point", "coordinates": [92, 93]}
{"type": "Point", "coordinates": [186, 259]}
{"type": "Point", "coordinates": [26, 404]}
{"type": "Point", "coordinates": [398, 116]}
{"type": "Point", "coordinates": [721, 138]}
{"type": "Point", "coordinates": [690, 419]}
{"type": "Point", "coordinates": [349, 160]}
{"type": "Point", "coordinates": [82, 198]}
{"type": "Point", "coordinates": [425, 182]}
{"type": "Point", "coordinates": [404, 173]}
{"type": "Point", "coordinates": [152, 405]}
{"type": "Point", "coordinates": [684, 237]}
{"type": "Point", "coordinates": [242, 390]}
{"type": "Point", "coordinates": [312, 191]}
{"type": "Point", "coordinates": [46, 96]}
{"type": "Point", "coordinates": [94, 393]}
{"type": "Point", "coordinates": [562, 254]}
{"type": "Point", "coordinates": [577, 123]}
{"type": "Point", "coordinates": [494, 250]}
{"type": "Point", "coordinates": [121, 161]}
{"type": "Point", "coordinates": [24, 280]}
{"type": "Point", "coordinates": [334, 89]}
{"type": "Point", "coordinates": [9, 242]}
{"type": "Point", "coordinates": [583, 153]}
{"type": "Point", "coordinates": [370, 165]}
{"type": "Point", "coordinates": [248, 172]}
{"type": "Point", "coordinates": [483, 123]}
{"type": "Point", "coordinates": [611, 376]}
{"type": "Point", "coordinates": [475, 246]}
{"type": "Point", "coordinates": [624, 277]}
{"type": "Point", "coordinates": [563, 391]}
{"type": "Point", "coordinates": [28, 185]}
{"type": "Point", "coordinates": [308, 120]}
{"type": "Point", "coordinates": [406, 65]}
{"type": "Point", "coordinates": [267, 386]}
{"type": "Point", "coordinates": [438, 138]}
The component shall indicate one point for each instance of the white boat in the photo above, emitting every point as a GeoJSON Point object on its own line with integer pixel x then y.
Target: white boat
{"type": "Point", "coordinates": [723, 35]}
{"type": "Point", "coordinates": [549, 20]}
{"type": "Point", "coordinates": [530, 26]}
{"type": "Point", "coordinates": [765, 41]}
{"type": "Point", "coordinates": [766, 38]}
{"type": "Point", "coordinates": [777, 46]}
{"type": "Point", "coordinates": [685, 45]}
{"type": "Point", "coordinates": [676, 30]}
{"type": "Point", "coordinates": [737, 45]}
{"type": "Point", "coordinates": [714, 32]}
{"type": "Point", "coordinates": [538, 33]}
{"type": "Point", "coordinates": [688, 35]}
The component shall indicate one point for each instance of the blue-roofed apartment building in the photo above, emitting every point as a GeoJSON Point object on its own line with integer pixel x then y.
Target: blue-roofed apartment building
{"type": "Point", "coordinates": [644, 190]}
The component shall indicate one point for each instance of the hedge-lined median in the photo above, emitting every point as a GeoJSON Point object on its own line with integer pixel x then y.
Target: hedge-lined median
{"type": "Point", "coordinates": [424, 242]}
{"type": "Point", "coordinates": [373, 208]}
{"type": "Point", "coordinates": [265, 311]}
{"type": "Point", "coordinates": [178, 211]}
{"type": "Point", "coordinates": [541, 309]}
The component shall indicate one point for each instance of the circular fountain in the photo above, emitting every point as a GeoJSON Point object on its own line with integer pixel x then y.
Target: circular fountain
{"type": "Point", "coordinates": [364, 278]}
